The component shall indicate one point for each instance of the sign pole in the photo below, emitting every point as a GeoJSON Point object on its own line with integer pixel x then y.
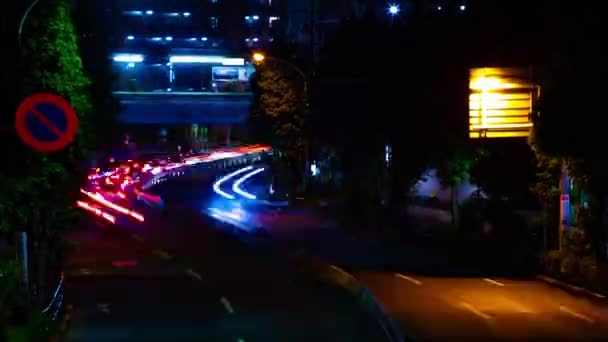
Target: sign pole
{"type": "Point", "coordinates": [22, 240]}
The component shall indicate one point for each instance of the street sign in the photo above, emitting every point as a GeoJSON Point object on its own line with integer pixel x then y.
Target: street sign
{"type": "Point", "coordinates": [46, 122]}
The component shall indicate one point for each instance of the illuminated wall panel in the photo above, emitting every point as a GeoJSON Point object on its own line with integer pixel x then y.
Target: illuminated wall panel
{"type": "Point", "coordinates": [500, 103]}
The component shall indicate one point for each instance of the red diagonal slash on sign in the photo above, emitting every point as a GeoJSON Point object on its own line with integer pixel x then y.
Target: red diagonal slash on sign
{"type": "Point", "coordinates": [28, 107]}
{"type": "Point", "coordinates": [46, 122]}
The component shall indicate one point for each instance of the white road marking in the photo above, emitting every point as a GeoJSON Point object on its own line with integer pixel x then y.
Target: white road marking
{"type": "Point", "coordinates": [137, 237]}
{"type": "Point", "coordinates": [162, 254]}
{"type": "Point", "coordinates": [518, 307]}
{"type": "Point", "coordinates": [576, 314]}
{"type": "Point", "coordinates": [227, 305]}
{"type": "Point", "coordinates": [410, 279]}
{"type": "Point", "coordinates": [493, 282]}
{"type": "Point", "coordinates": [194, 274]}
{"type": "Point", "coordinates": [475, 311]}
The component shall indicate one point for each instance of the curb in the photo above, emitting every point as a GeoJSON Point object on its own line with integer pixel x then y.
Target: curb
{"type": "Point", "coordinates": [570, 287]}
{"type": "Point", "coordinates": [334, 275]}
{"type": "Point", "coordinates": [330, 274]}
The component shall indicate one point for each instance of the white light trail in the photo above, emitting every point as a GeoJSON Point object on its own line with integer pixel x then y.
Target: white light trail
{"type": "Point", "coordinates": [236, 187]}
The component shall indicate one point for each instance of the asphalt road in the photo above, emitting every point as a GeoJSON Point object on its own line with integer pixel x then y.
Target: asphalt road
{"type": "Point", "coordinates": [436, 307]}
{"type": "Point", "coordinates": [433, 308]}
{"type": "Point", "coordinates": [177, 278]}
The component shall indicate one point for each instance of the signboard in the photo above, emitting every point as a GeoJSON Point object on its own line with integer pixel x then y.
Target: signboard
{"type": "Point", "coordinates": [500, 102]}
{"type": "Point", "coordinates": [46, 122]}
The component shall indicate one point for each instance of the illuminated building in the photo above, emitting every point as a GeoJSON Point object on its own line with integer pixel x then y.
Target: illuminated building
{"type": "Point", "coordinates": [501, 103]}
{"type": "Point", "coordinates": [185, 63]}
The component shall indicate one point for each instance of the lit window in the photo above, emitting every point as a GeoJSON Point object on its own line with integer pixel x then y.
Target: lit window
{"type": "Point", "coordinates": [213, 23]}
{"type": "Point", "coordinates": [271, 20]}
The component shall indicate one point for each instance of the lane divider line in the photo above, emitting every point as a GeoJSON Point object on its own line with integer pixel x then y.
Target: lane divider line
{"type": "Point", "coordinates": [576, 314]}
{"type": "Point", "coordinates": [493, 282]}
{"type": "Point", "coordinates": [162, 254]}
{"type": "Point", "coordinates": [410, 279]}
{"type": "Point", "coordinates": [475, 311]}
{"type": "Point", "coordinates": [227, 305]}
{"type": "Point", "coordinates": [193, 274]}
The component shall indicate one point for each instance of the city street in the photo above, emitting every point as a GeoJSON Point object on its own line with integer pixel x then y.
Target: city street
{"type": "Point", "coordinates": [175, 278]}
{"type": "Point", "coordinates": [452, 300]}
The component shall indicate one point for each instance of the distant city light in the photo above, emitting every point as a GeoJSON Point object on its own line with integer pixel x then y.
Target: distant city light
{"type": "Point", "coordinates": [255, 39]}
{"type": "Point", "coordinates": [186, 14]}
{"type": "Point", "coordinates": [393, 9]}
{"type": "Point", "coordinates": [130, 58]}
{"type": "Point", "coordinates": [169, 38]}
{"type": "Point", "coordinates": [247, 17]}
{"type": "Point", "coordinates": [156, 39]}
{"type": "Point", "coordinates": [256, 17]}
{"type": "Point", "coordinates": [149, 12]}
{"type": "Point", "coordinates": [207, 59]}
{"type": "Point", "coordinates": [439, 7]}
{"type": "Point", "coordinates": [463, 7]}
{"type": "Point", "coordinates": [192, 39]}
{"type": "Point", "coordinates": [135, 12]}
{"type": "Point", "coordinates": [130, 37]}
{"type": "Point", "coordinates": [204, 39]}
{"type": "Point", "coordinates": [246, 39]}
{"type": "Point", "coordinates": [131, 65]}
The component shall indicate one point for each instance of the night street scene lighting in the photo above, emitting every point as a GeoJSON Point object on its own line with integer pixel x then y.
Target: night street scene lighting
{"type": "Point", "coordinates": [295, 170]}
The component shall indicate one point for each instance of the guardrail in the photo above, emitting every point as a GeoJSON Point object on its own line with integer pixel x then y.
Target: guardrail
{"type": "Point", "coordinates": [52, 310]}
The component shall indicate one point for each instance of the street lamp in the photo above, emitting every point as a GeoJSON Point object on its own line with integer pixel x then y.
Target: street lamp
{"type": "Point", "coordinates": [393, 9]}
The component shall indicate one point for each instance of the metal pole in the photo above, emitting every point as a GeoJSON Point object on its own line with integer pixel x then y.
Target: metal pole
{"type": "Point", "coordinates": [23, 258]}
{"type": "Point", "coordinates": [23, 18]}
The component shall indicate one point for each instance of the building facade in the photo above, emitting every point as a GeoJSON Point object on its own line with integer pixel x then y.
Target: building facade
{"type": "Point", "coordinates": [186, 64]}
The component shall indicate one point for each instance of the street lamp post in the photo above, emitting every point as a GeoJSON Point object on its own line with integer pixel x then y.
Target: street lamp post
{"type": "Point", "coordinates": [23, 18]}
{"type": "Point", "coordinates": [259, 57]}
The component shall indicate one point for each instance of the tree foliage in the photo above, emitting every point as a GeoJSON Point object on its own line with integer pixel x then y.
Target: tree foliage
{"type": "Point", "coordinates": [35, 186]}
{"type": "Point", "coordinates": [570, 125]}
{"type": "Point", "coordinates": [278, 113]}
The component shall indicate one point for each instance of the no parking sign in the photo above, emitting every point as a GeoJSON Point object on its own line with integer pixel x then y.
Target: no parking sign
{"type": "Point", "coordinates": [46, 122]}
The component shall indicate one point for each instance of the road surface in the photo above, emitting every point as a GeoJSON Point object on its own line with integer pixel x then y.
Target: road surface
{"type": "Point", "coordinates": [443, 304]}
{"type": "Point", "coordinates": [433, 308]}
{"type": "Point", "coordinates": [174, 278]}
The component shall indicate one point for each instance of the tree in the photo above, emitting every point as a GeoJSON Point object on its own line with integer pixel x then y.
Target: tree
{"type": "Point", "coordinates": [278, 107]}
{"type": "Point", "coordinates": [570, 126]}
{"type": "Point", "coordinates": [455, 169]}
{"type": "Point", "coordinates": [279, 114]}
{"type": "Point", "coordinates": [35, 188]}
